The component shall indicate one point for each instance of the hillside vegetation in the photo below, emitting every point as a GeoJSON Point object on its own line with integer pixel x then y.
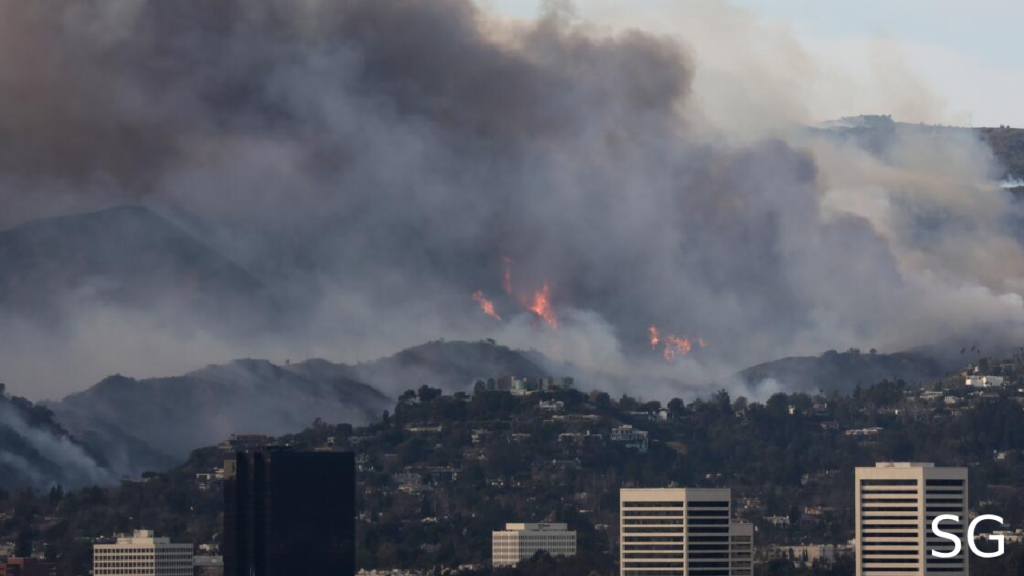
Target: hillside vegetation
{"type": "Point", "coordinates": [1008, 146]}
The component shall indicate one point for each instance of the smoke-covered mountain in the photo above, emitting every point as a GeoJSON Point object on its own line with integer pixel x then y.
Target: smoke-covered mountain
{"type": "Point", "coordinates": [452, 366]}
{"type": "Point", "coordinates": [396, 171]}
{"type": "Point", "coordinates": [842, 371]}
{"type": "Point", "coordinates": [881, 135]}
{"type": "Point", "coordinates": [38, 452]}
{"type": "Point", "coordinates": [150, 424]}
{"type": "Point", "coordinates": [126, 256]}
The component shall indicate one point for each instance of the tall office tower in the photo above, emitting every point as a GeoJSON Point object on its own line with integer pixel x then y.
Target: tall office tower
{"type": "Point", "coordinates": [288, 513]}
{"type": "Point", "coordinates": [896, 503]}
{"type": "Point", "coordinates": [682, 532]}
{"type": "Point", "coordinates": [142, 554]}
{"type": "Point", "coordinates": [519, 542]}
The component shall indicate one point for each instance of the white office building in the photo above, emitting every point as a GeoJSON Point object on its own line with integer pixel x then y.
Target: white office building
{"type": "Point", "coordinates": [682, 532]}
{"type": "Point", "coordinates": [896, 503]}
{"type": "Point", "coordinates": [142, 554]}
{"type": "Point", "coordinates": [519, 542]}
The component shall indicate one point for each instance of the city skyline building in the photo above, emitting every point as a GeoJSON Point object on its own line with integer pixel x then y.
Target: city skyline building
{"type": "Point", "coordinates": [896, 503]}
{"type": "Point", "coordinates": [288, 512]}
{"type": "Point", "coordinates": [142, 554]}
{"type": "Point", "coordinates": [682, 532]}
{"type": "Point", "coordinates": [518, 542]}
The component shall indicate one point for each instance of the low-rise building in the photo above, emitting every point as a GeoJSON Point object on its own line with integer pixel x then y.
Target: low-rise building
{"type": "Point", "coordinates": [208, 565]}
{"type": "Point", "coordinates": [142, 554]}
{"type": "Point", "coordinates": [524, 386]}
{"type": "Point", "coordinates": [808, 554]}
{"type": "Point", "coordinates": [27, 567]}
{"type": "Point", "coordinates": [630, 437]}
{"type": "Point", "coordinates": [552, 405]}
{"type": "Point", "coordinates": [872, 431]}
{"type": "Point", "coordinates": [519, 542]}
{"type": "Point", "coordinates": [984, 381]}
{"type": "Point", "coordinates": [579, 438]}
{"type": "Point", "coordinates": [1010, 536]}
{"type": "Point", "coordinates": [778, 521]}
{"type": "Point", "coordinates": [480, 436]}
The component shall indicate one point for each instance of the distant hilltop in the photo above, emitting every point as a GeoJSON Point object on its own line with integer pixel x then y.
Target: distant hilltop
{"type": "Point", "coordinates": [875, 131]}
{"type": "Point", "coordinates": [862, 121]}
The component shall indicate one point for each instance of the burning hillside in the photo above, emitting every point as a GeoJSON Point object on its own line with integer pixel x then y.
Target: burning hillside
{"type": "Point", "coordinates": [369, 162]}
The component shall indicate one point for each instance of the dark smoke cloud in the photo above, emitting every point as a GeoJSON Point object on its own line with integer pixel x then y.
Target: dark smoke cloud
{"type": "Point", "coordinates": [375, 159]}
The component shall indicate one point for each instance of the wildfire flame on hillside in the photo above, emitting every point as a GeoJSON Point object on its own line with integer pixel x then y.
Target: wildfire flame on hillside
{"type": "Point", "coordinates": [655, 337]}
{"type": "Point", "coordinates": [486, 305]}
{"type": "Point", "coordinates": [674, 345]}
{"type": "Point", "coordinates": [540, 305]}
{"type": "Point", "coordinates": [539, 302]}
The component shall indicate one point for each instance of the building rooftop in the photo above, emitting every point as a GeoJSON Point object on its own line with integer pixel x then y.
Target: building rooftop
{"type": "Point", "coordinates": [140, 538]}
{"type": "Point", "coordinates": [537, 527]}
{"type": "Point", "coordinates": [904, 465]}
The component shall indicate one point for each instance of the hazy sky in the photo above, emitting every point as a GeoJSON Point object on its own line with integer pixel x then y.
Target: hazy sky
{"type": "Point", "coordinates": [967, 53]}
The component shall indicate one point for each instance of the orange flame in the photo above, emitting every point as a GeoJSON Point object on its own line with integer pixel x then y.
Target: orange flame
{"type": "Point", "coordinates": [508, 274]}
{"type": "Point", "coordinates": [541, 306]}
{"type": "Point", "coordinates": [674, 345]}
{"type": "Point", "coordinates": [486, 305]}
{"type": "Point", "coordinates": [655, 336]}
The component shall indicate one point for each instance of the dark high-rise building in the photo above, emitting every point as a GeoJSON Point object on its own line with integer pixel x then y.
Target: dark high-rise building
{"type": "Point", "coordinates": [289, 513]}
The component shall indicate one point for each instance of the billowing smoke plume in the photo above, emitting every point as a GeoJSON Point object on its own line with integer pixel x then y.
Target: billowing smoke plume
{"type": "Point", "coordinates": [39, 454]}
{"type": "Point", "coordinates": [378, 162]}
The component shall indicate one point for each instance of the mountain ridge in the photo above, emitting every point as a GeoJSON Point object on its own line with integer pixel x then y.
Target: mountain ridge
{"type": "Point", "coordinates": [842, 371]}
{"type": "Point", "coordinates": [149, 423]}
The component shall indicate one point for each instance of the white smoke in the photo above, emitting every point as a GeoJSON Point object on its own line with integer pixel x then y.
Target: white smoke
{"type": "Point", "coordinates": [75, 466]}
